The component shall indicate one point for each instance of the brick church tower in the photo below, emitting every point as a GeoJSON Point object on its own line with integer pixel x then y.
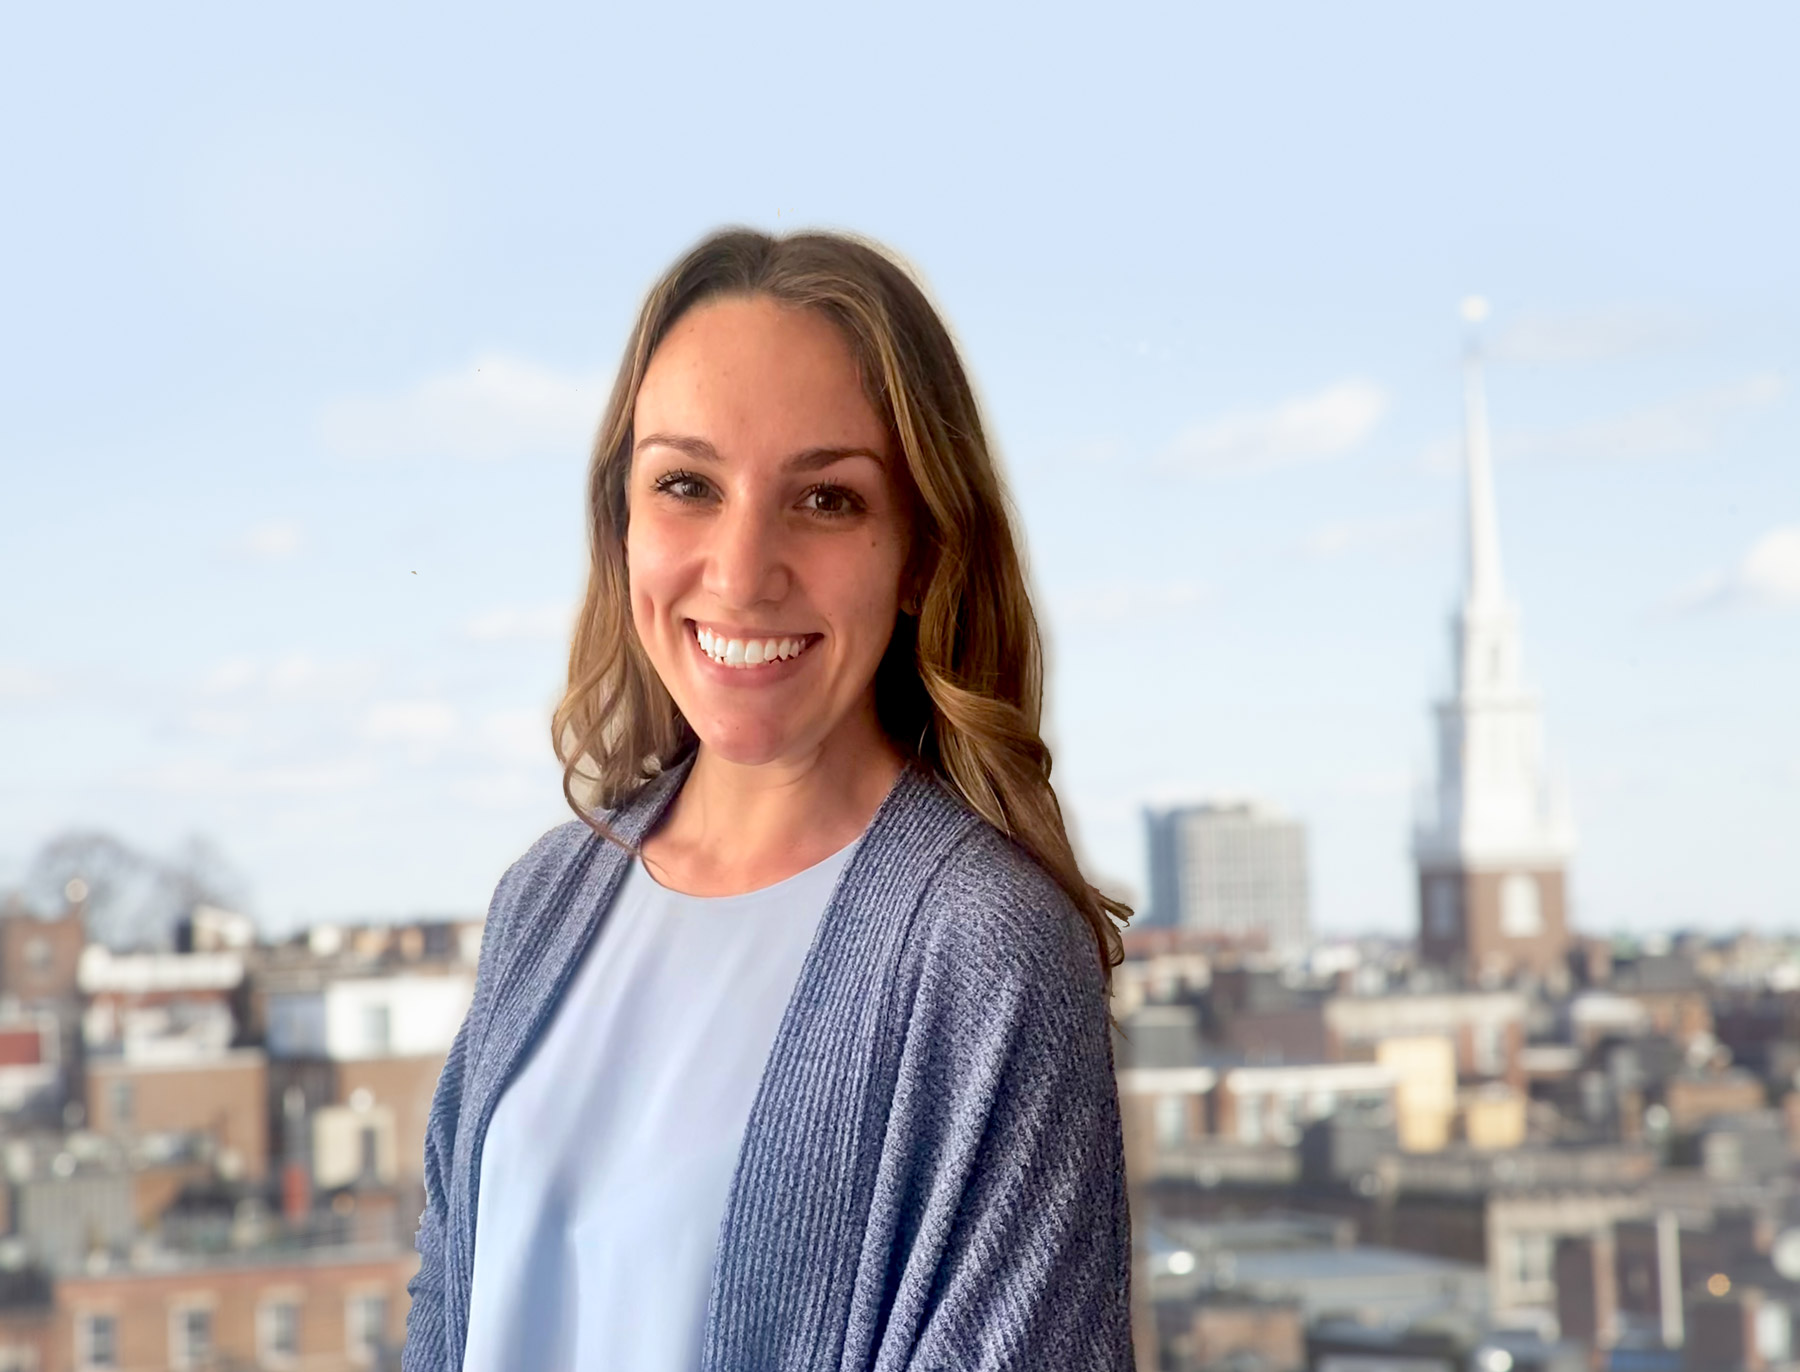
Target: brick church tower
{"type": "Point", "coordinates": [1494, 836]}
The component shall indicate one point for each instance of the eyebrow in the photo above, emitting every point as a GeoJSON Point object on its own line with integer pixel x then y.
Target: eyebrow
{"type": "Point", "coordinates": [806, 460]}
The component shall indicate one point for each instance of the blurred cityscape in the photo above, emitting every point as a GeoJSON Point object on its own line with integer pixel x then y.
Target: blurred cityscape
{"type": "Point", "coordinates": [1503, 1145]}
{"type": "Point", "coordinates": [212, 1150]}
{"type": "Point", "coordinates": [1500, 1146]}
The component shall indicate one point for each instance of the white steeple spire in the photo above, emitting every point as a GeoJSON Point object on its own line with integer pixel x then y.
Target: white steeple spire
{"type": "Point", "coordinates": [1494, 801]}
{"type": "Point", "coordinates": [1485, 588]}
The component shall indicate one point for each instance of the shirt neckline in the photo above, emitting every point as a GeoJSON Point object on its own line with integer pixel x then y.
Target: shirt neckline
{"type": "Point", "coordinates": [838, 858]}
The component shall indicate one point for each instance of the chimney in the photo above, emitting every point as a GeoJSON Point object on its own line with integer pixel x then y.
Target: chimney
{"type": "Point", "coordinates": [296, 1167]}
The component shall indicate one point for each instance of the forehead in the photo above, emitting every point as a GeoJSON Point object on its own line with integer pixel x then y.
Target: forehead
{"type": "Point", "coordinates": [751, 374]}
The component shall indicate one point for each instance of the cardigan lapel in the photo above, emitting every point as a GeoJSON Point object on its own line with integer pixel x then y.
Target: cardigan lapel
{"type": "Point", "coordinates": [785, 1270]}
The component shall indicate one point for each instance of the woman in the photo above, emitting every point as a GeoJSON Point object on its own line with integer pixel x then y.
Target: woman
{"type": "Point", "coordinates": [795, 1055]}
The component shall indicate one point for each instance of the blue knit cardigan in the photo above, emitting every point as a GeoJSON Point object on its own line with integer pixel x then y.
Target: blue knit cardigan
{"type": "Point", "coordinates": [932, 1175]}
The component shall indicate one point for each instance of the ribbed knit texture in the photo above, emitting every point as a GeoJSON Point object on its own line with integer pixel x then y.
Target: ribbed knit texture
{"type": "Point", "coordinates": [932, 1175]}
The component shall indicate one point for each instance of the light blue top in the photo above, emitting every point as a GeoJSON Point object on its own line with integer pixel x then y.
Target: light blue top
{"type": "Point", "coordinates": [609, 1157]}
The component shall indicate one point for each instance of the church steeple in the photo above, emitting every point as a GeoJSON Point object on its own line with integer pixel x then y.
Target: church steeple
{"type": "Point", "coordinates": [1493, 837]}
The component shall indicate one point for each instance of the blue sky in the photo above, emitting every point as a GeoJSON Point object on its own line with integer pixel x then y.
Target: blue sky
{"type": "Point", "coordinates": [307, 316]}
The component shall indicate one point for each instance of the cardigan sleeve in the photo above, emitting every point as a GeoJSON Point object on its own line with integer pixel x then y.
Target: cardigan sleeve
{"type": "Point", "coordinates": [1024, 1218]}
{"type": "Point", "coordinates": [427, 1336]}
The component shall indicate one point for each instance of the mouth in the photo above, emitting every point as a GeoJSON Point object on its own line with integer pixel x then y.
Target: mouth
{"type": "Point", "coordinates": [750, 653]}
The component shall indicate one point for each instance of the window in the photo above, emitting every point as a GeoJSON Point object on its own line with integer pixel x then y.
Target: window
{"type": "Point", "coordinates": [278, 1329]}
{"type": "Point", "coordinates": [377, 1028]}
{"type": "Point", "coordinates": [1250, 1119]}
{"type": "Point", "coordinates": [1443, 906]}
{"type": "Point", "coordinates": [1171, 1120]}
{"type": "Point", "coordinates": [367, 1325]}
{"type": "Point", "coordinates": [1532, 1256]}
{"type": "Point", "coordinates": [37, 954]}
{"type": "Point", "coordinates": [96, 1340]}
{"type": "Point", "coordinates": [18, 1357]}
{"type": "Point", "coordinates": [190, 1336]}
{"type": "Point", "coordinates": [370, 1165]}
{"type": "Point", "coordinates": [1489, 1048]}
{"type": "Point", "coordinates": [1520, 915]}
{"type": "Point", "coordinates": [119, 1100]}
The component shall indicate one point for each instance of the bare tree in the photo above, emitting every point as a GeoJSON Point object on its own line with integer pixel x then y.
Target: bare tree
{"type": "Point", "coordinates": [133, 899]}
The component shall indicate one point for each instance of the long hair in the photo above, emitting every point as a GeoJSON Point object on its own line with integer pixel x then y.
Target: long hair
{"type": "Point", "coordinates": [960, 687]}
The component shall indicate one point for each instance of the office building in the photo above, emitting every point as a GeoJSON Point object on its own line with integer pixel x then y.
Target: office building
{"type": "Point", "coordinates": [1236, 870]}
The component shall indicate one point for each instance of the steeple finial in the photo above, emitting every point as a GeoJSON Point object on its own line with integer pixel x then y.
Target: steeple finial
{"type": "Point", "coordinates": [1484, 586]}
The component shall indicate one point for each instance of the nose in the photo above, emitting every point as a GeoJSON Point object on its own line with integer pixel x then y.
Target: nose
{"type": "Point", "coordinates": [748, 565]}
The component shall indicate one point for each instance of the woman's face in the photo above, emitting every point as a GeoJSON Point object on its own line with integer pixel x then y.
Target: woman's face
{"type": "Point", "coordinates": [767, 531]}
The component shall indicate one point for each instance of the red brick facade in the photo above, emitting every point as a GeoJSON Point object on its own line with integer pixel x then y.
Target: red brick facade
{"type": "Point", "coordinates": [39, 957]}
{"type": "Point", "coordinates": [1461, 928]}
{"type": "Point", "coordinates": [327, 1296]}
{"type": "Point", "coordinates": [226, 1097]}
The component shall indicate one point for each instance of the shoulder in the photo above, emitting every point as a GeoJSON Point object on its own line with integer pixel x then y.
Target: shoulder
{"type": "Point", "coordinates": [541, 865]}
{"type": "Point", "coordinates": [1005, 990]}
{"type": "Point", "coordinates": [993, 912]}
{"type": "Point", "coordinates": [529, 882]}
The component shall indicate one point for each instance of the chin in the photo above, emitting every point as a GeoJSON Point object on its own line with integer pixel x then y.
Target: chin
{"type": "Point", "coordinates": [748, 744]}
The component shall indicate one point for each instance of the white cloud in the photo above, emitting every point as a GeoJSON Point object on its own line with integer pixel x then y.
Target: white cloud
{"type": "Point", "coordinates": [1680, 427]}
{"type": "Point", "coordinates": [1770, 571]}
{"type": "Point", "coordinates": [496, 408]}
{"type": "Point", "coordinates": [273, 541]}
{"type": "Point", "coordinates": [409, 721]}
{"type": "Point", "coordinates": [1117, 602]}
{"type": "Point", "coordinates": [1359, 535]}
{"type": "Point", "coordinates": [553, 623]}
{"type": "Point", "coordinates": [1767, 577]}
{"type": "Point", "coordinates": [22, 683]}
{"type": "Point", "coordinates": [1304, 428]}
{"type": "Point", "coordinates": [1585, 335]}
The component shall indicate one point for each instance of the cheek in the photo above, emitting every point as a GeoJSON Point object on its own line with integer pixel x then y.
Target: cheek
{"type": "Point", "coordinates": [652, 543]}
{"type": "Point", "coordinates": [653, 570]}
{"type": "Point", "coordinates": [870, 591]}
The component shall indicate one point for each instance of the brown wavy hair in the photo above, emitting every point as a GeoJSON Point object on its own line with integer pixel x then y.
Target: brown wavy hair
{"type": "Point", "coordinates": [960, 687]}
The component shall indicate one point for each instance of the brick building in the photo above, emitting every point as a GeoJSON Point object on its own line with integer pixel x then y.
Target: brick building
{"type": "Point", "coordinates": [225, 1097]}
{"type": "Point", "coordinates": [328, 1310]}
{"type": "Point", "coordinates": [39, 957]}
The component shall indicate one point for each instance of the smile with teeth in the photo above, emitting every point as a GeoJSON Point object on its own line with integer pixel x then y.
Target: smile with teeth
{"type": "Point", "coordinates": [748, 652]}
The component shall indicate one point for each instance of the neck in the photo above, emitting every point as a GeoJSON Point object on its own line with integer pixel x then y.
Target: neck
{"type": "Point", "coordinates": [738, 827]}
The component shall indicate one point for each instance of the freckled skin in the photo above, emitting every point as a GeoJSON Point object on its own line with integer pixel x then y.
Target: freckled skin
{"type": "Point", "coordinates": [748, 541]}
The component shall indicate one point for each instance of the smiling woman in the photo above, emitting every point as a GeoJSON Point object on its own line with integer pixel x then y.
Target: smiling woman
{"type": "Point", "coordinates": [792, 1050]}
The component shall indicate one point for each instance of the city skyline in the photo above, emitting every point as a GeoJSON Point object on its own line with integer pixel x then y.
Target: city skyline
{"type": "Point", "coordinates": [310, 344]}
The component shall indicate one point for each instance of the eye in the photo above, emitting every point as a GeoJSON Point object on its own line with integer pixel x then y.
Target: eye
{"type": "Point", "coordinates": [833, 501]}
{"type": "Point", "coordinates": [682, 485]}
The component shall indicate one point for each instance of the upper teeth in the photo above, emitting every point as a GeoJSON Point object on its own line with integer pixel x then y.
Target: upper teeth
{"type": "Point", "coordinates": [738, 652]}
